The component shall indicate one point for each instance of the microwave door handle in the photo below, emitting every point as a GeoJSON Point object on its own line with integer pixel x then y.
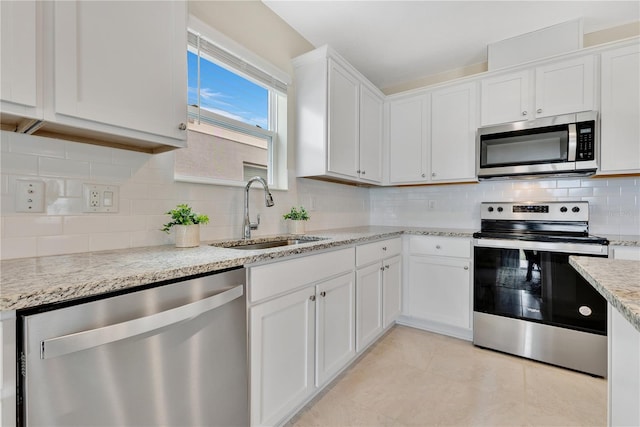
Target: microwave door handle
{"type": "Point", "coordinates": [71, 343]}
{"type": "Point", "coordinates": [573, 143]}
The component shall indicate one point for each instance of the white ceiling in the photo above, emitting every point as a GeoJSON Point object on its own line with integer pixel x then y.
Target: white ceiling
{"type": "Point", "coordinates": [394, 42]}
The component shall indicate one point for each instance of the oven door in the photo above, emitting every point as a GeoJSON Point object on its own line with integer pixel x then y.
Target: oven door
{"type": "Point", "coordinates": [533, 281]}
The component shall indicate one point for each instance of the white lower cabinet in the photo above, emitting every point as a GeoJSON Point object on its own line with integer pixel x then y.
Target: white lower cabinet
{"type": "Point", "coordinates": [335, 331]}
{"type": "Point", "coordinates": [439, 285]}
{"type": "Point", "coordinates": [378, 289]}
{"type": "Point", "coordinates": [301, 330]}
{"type": "Point", "coordinates": [282, 342]}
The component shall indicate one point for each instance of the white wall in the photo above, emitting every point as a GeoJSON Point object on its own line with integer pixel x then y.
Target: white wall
{"type": "Point", "coordinates": [147, 190]}
{"type": "Point", "coordinates": [614, 203]}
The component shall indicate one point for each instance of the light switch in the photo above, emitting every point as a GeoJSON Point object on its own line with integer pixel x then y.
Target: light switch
{"type": "Point", "coordinates": [29, 196]}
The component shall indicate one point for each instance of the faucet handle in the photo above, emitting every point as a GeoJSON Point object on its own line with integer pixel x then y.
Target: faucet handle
{"type": "Point", "coordinates": [254, 225]}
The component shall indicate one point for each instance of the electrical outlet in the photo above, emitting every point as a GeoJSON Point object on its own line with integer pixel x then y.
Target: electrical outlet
{"type": "Point", "coordinates": [100, 198]}
{"type": "Point", "coordinates": [29, 196]}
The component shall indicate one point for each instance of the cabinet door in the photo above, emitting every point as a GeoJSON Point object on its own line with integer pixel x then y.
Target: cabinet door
{"type": "Point", "coordinates": [453, 131]}
{"type": "Point", "coordinates": [335, 326]}
{"type": "Point", "coordinates": [620, 119]}
{"type": "Point", "coordinates": [121, 65]}
{"type": "Point", "coordinates": [343, 121]}
{"type": "Point", "coordinates": [505, 99]}
{"type": "Point", "coordinates": [440, 290]}
{"type": "Point", "coordinates": [19, 61]}
{"type": "Point", "coordinates": [371, 119]}
{"type": "Point", "coordinates": [282, 355]}
{"type": "Point", "coordinates": [368, 305]}
{"type": "Point", "coordinates": [391, 290]}
{"type": "Point", "coordinates": [565, 87]}
{"type": "Point", "coordinates": [408, 154]}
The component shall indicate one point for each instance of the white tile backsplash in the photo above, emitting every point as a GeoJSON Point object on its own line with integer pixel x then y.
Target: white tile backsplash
{"type": "Point", "coordinates": [147, 191]}
{"type": "Point", "coordinates": [614, 207]}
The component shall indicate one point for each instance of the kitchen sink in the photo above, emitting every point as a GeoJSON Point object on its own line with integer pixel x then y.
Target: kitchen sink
{"type": "Point", "coordinates": [266, 244]}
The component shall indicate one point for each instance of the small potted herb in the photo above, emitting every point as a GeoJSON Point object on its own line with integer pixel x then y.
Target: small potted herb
{"type": "Point", "coordinates": [187, 224]}
{"type": "Point", "coordinates": [296, 218]}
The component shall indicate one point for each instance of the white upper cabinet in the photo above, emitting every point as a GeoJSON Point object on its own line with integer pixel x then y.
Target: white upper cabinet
{"type": "Point", "coordinates": [453, 129]}
{"type": "Point", "coordinates": [505, 98]}
{"type": "Point", "coordinates": [560, 87]}
{"type": "Point", "coordinates": [339, 120]}
{"type": "Point", "coordinates": [371, 130]}
{"type": "Point", "coordinates": [408, 139]}
{"type": "Point", "coordinates": [343, 121]}
{"type": "Point", "coordinates": [19, 62]}
{"type": "Point", "coordinates": [120, 68]}
{"type": "Point", "coordinates": [565, 87]}
{"type": "Point", "coordinates": [620, 110]}
{"type": "Point", "coordinates": [432, 136]}
{"type": "Point", "coordinates": [102, 72]}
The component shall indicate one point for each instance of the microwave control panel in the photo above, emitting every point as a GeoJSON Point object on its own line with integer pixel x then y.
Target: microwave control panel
{"type": "Point", "coordinates": [586, 140]}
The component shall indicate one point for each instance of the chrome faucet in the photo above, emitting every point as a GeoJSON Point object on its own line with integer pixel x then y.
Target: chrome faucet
{"type": "Point", "coordinates": [268, 201]}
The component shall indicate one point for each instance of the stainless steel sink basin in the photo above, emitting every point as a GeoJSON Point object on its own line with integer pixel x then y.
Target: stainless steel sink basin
{"type": "Point", "coordinates": [253, 245]}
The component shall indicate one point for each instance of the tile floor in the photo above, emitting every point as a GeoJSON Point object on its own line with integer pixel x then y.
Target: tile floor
{"type": "Point", "coordinates": [416, 378]}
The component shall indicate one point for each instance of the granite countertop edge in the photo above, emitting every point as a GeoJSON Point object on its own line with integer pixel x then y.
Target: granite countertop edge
{"type": "Point", "coordinates": [31, 282]}
{"type": "Point", "coordinates": [618, 281]}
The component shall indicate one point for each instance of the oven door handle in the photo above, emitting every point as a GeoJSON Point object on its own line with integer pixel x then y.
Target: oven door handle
{"type": "Point", "coordinates": [570, 248]}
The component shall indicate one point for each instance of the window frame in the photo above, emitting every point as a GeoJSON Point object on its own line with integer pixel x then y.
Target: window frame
{"type": "Point", "coordinates": [276, 135]}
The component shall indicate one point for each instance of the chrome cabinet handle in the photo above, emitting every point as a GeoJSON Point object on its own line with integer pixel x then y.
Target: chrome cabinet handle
{"type": "Point", "coordinates": [437, 246]}
{"type": "Point", "coordinates": [466, 267]}
{"type": "Point", "coordinates": [424, 175]}
{"type": "Point", "coordinates": [312, 297]}
{"type": "Point", "coordinates": [182, 126]}
{"type": "Point", "coordinates": [382, 268]}
{"type": "Point", "coordinates": [323, 294]}
{"type": "Point", "coordinates": [386, 267]}
{"type": "Point", "coordinates": [72, 343]}
{"type": "Point", "coordinates": [358, 171]}
{"type": "Point", "coordinates": [433, 174]}
{"type": "Point", "coordinates": [364, 172]}
{"type": "Point", "coordinates": [524, 113]}
{"type": "Point", "coordinates": [384, 248]}
{"type": "Point", "coordinates": [539, 110]}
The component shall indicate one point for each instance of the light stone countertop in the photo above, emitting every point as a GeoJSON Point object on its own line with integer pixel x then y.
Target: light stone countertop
{"type": "Point", "coordinates": [31, 282]}
{"type": "Point", "coordinates": [616, 280]}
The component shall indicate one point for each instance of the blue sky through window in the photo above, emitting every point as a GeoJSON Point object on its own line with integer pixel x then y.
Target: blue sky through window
{"type": "Point", "coordinates": [226, 93]}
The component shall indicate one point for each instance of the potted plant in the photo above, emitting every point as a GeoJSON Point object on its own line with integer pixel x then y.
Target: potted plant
{"type": "Point", "coordinates": [296, 218]}
{"type": "Point", "coordinates": [187, 224]}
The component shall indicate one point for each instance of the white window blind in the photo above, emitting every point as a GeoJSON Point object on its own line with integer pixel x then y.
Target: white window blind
{"type": "Point", "coordinates": [235, 63]}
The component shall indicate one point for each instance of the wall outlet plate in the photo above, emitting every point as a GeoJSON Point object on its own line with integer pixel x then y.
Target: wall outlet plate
{"type": "Point", "coordinates": [101, 198]}
{"type": "Point", "coordinates": [29, 195]}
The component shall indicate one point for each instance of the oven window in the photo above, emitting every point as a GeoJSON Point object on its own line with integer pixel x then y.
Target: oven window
{"type": "Point", "coordinates": [526, 149]}
{"type": "Point", "coordinates": [538, 286]}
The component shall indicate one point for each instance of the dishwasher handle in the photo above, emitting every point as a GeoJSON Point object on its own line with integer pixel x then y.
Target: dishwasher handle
{"type": "Point", "coordinates": [71, 343]}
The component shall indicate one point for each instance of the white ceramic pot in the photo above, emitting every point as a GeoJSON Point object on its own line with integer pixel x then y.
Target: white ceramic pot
{"type": "Point", "coordinates": [296, 227]}
{"type": "Point", "coordinates": [187, 236]}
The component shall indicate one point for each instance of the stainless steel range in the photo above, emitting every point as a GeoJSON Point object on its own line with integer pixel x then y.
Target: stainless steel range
{"type": "Point", "coordinates": [528, 300]}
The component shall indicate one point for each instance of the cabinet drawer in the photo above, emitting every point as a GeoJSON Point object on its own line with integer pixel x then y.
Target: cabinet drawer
{"type": "Point", "coordinates": [372, 252]}
{"type": "Point", "coordinates": [272, 279]}
{"type": "Point", "coordinates": [441, 246]}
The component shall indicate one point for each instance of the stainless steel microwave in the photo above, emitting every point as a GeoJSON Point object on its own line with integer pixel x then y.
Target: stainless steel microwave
{"type": "Point", "coordinates": [557, 146]}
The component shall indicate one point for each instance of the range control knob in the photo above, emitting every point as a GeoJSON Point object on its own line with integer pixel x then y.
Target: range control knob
{"type": "Point", "coordinates": [500, 209]}
{"type": "Point", "coordinates": [575, 209]}
{"type": "Point", "coordinates": [563, 209]}
{"type": "Point", "coordinates": [490, 209]}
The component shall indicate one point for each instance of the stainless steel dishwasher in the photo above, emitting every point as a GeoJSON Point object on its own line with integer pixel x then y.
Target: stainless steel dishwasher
{"type": "Point", "coordinates": [170, 355]}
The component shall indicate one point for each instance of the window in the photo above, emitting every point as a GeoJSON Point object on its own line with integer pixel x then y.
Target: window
{"type": "Point", "coordinates": [237, 117]}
